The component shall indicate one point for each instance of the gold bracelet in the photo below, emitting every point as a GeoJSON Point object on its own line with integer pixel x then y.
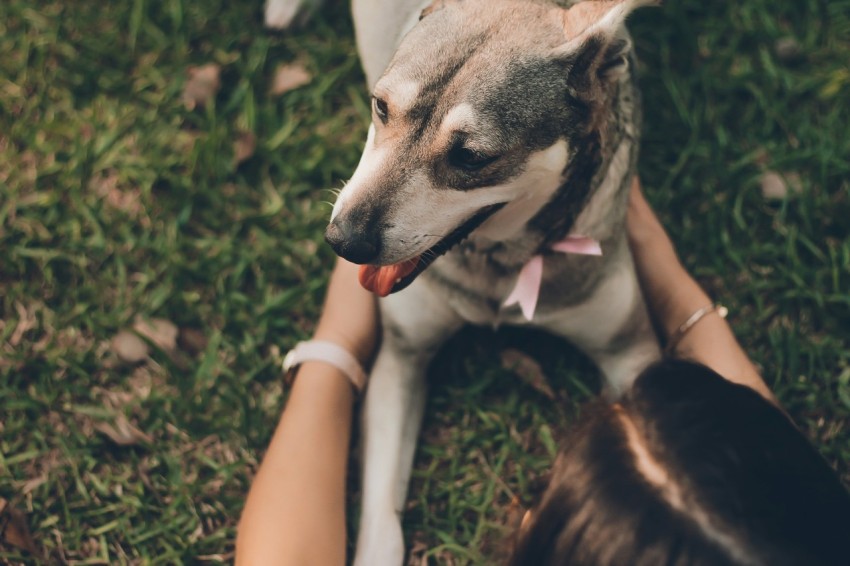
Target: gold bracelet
{"type": "Point", "coordinates": [692, 320]}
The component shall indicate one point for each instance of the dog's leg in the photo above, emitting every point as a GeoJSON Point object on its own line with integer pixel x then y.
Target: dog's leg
{"type": "Point", "coordinates": [379, 25]}
{"type": "Point", "coordinates": [283, 14]}
{"type": "Point", "coordinates": [613, 328]}
{"type": "Point", "coordinates": [623, 359]}
{"type": "Point", "coordinates": [415, 324]}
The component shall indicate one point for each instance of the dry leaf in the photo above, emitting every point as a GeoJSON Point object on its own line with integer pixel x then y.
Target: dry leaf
{"type": "Point", "coordinates": [244, 146]}
{"type": "Point", "coordinates": [416, 552]}
{"type": "Point", "coordinates": [129, 347]}
{"type": "Point", "coordinates": [202, 85]}
{"type": "Point", "coordinates": [122, 433]}
{"type": "Point", "coordinates": [105, 185]}
{"type": "Point", "coordinates": [513, 515]}
{"type": "Point", "coordinates": [33, 483]}
{"type": "Point", "coordinates": [788, 50]}
{"type": "Point", "coordinates": [289, 77]}
{"type": "Point", "coordinates": [14, 528]}
{"type": "Point", "coordinates": [192, 340]}
{"type": "Point", "coordinates": [776, 187]}
{"type": "Point", "coordinates": [528, 371]}
{"type": "Point", "coordinates": [26, 322]}
{"type": "Point", "coordinates": [163, 333]}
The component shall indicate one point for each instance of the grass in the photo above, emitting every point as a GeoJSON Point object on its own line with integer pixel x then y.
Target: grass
{"type": "Point", "coordinates": [116, 201]}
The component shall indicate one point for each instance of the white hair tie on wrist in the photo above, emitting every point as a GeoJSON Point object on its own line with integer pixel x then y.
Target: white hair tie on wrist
{"type": "Point", "coordinates": [330, 353]}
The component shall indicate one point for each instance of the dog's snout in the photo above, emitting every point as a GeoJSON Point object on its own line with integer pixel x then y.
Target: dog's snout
{"type": "Point", "coordinates": [349, 242]}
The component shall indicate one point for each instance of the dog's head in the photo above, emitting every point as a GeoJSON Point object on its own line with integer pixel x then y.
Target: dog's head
{"type": "Point", "coordinates": [473, 118]}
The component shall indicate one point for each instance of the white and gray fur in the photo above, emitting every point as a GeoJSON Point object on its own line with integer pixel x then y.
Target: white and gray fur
{"type": "Point", "coordinates": [548, 93]}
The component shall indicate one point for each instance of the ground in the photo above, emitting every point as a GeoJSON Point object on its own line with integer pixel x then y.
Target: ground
{"type": "Point", "coordinates": [154, 176]}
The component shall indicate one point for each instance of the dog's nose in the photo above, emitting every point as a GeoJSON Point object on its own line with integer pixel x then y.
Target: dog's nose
{"type": "Point", "coordinates": [357, 246]}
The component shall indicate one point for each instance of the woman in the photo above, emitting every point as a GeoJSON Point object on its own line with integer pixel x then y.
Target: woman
{"type": "Point", "coordinates": [644, 481]}
{"type": "Point", "coordinates": [688, 469]}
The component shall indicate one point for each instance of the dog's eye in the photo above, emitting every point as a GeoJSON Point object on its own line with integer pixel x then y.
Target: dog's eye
{"type": "Point", "coordinates": [381, 109]}
{"type": "Point", "coordinates": [469, 159]}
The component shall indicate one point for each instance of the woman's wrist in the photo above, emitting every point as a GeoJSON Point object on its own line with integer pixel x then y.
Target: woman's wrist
{"type": "Point", "coordinates": [327, 352]}
{"type": "Point", "coordinates": [349, 317]}
{"type": "Point", "coordinates": [325, 379]}
{"type": "Point", "coordinates": [358, 349]}
{"type": "Point", "coordinates": [679, 302]}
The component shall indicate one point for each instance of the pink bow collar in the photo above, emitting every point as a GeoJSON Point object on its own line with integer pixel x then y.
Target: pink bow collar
{"type": "Point", "coordinates": [527, 288]}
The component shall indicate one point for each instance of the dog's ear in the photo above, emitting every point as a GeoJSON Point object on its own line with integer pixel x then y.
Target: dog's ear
{"type": "Point", "coordinates": [596, 44]}
{"type": "Point", "coordinates": [434, 6]}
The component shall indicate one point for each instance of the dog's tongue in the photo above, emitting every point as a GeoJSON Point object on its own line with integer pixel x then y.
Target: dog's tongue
{"type": "Point", "coordinates": [379, 279]}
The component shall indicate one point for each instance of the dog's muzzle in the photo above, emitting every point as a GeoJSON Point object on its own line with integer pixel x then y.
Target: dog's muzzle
{"type": "Point", "coordinates": [352, 242]}
{"type": "Point", "coordinates": [385, 279]}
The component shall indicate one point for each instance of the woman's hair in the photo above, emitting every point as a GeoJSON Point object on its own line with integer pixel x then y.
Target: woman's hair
{"type": "Point", "coordinates": [688, 468]}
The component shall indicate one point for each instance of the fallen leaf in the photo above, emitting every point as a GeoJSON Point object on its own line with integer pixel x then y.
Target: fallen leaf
{"type": "Point", "coordinates": [122, 432]}
{"type": "Point", "coordinates": [26, 322]}
{"type": "Point", "coordinates": [202, 85]}
{"type": "Point", "coordinates": [528, 371]}
{"type": "Point", "coordinates": [775, 186]}
{"type": "Point", "coordinates": [106, 185]}
{"type": "Point", "coordinates": [192, 340]}
{"type": "Point", "coordinates": [513, 515]}
{"type": "Point", "coordinates": [14, 528]}
{"type": "Point", "coordinates": [129, 347]}
{"type": "Point", "coordinates": [33, 483]}
{"type": "Point", "coordinates": [244, 146]}
{"type": "Point", "coordinates": [788, 50]}
{"type": "Point", "coordinates": [163, 333]}
{"type": "Point", "coordinates": [417, 551]}
{"type": "Point", "coordinates": [289, 77]}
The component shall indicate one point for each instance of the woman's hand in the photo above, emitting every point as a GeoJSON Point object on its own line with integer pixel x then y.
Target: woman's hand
{"type": "Point", "coordinates": [350, 315]}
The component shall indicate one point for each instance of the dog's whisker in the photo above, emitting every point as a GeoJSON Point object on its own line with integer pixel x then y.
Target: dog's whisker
{"type": "Point", "coordinates": [334, 190]}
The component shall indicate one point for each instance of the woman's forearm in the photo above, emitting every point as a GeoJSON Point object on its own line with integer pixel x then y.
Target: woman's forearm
{"type": "Point", "coordinates": [710, 341]}
{"type": "Point", "coordinates": [295, 512]}
{"type": "Point", "coordinates": [673, 296]}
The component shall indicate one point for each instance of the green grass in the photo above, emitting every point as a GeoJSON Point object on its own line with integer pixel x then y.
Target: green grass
{"type": "Point", "coordinates": [117, 201]}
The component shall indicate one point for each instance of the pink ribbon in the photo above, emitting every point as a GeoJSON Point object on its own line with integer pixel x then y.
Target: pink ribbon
{"type": "Point", "coordinates": [527, 288]}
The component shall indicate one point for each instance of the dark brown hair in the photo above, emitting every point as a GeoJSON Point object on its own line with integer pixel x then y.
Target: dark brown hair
{"type": "Point", "coordinates": [688, 468]}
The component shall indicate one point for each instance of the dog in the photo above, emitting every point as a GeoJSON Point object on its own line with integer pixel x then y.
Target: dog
{"type": "Point", "coordinates": [504, 132]}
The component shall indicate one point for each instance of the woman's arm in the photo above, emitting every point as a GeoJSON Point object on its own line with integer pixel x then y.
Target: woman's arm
{"type": "Point", "coordinates": [672, 296]}
{"type": "Point", "coordinates": [295, 512]}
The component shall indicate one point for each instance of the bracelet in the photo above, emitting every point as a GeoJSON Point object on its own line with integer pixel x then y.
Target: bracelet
{"type": "Point", "coordinates": [692, 320]}
{"type": "Point", "coordinates": [330, 353]}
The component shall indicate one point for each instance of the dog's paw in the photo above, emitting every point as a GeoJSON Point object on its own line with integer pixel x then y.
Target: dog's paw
{"type": "Point", "coordinates": [284, 14]}
{"type": "Point", "coordinates": [381, 545]}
